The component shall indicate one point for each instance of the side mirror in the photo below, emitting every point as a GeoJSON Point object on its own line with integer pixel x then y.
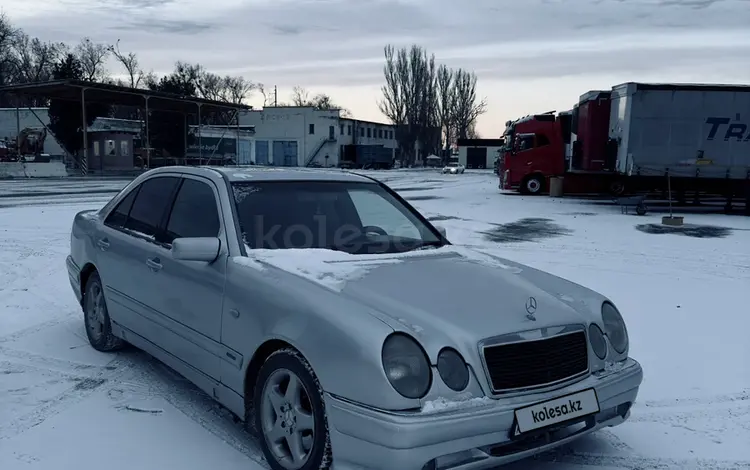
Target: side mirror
{"type": "Point", "coordinates": [196, 249]}
{"type": "Point", "coordinates": [441, 229]}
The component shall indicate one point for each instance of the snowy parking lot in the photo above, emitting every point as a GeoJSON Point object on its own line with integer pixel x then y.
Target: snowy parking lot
{"type": "Point", "coordinates": [685, 296]}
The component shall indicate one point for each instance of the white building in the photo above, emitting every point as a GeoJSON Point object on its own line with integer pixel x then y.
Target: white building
{"type": "Point", "coordinates": [479, 153]}
{"type": "Point", "coordinates": [305, 136]}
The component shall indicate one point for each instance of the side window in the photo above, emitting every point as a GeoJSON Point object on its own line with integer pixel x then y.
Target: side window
{"type": "Point", "coordinates": [151, 204]}
{"type": "Point", "coordinates": [541, 140]}
{"type": "Point", "coordinates": [118, 217]}
{"type": "Point", "coordinates": [374, 210]}
{"type": "Point", "coordinates": [194, 213]}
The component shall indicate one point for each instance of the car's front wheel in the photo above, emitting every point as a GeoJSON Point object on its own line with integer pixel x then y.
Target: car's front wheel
{"type": "Point", "coordinates": [290, 414]}
{"type": "Point", "coordinates": [96, 317]}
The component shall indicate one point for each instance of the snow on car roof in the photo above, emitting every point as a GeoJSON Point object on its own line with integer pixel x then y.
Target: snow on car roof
{"type": "Point", "coordinates": [259, 173]}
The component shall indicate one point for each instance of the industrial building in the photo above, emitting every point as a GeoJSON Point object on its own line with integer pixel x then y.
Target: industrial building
{"type": "Point", "coordinates": [277, 136]}
{"type": "Point", "coordinates": [305, 136]}
{"type": "Point", "coordinates": [479, 153]}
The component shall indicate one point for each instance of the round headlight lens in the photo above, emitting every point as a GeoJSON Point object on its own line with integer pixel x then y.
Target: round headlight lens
{"type": "Point", "coordinates": [598, 343]}
{"type": "Point", "coordinates": [614, 327]}
{"type": "Point", "coordinates": [453, 369]}
{"type": "Point", "coordinates": [406, 366]}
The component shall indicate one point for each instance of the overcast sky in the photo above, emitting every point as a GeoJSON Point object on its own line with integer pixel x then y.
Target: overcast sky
{"type": "Point", "coordinates": [530, 55]}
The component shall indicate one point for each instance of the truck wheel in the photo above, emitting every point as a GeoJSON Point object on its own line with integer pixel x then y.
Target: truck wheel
{"type": "Point", "coordinates": [533, 185]}
{"type": "Point", "coordinates": [290, 414]}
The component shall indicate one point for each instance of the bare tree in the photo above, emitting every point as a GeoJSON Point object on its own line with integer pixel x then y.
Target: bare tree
{"type": "Point", "coordinates": [92, 57]}
{"type": "Point", "coordinates": [473, 133]}
{"type": "Point", "coordinates": [8, 36]}
{"type": "Point", "coordinates": [321, 101]}
{"type": "Point", "coordinates": [393, 104]}
{"type": "Point", "coordinates": [410, 99]}
{"type": "Point", "coordinates": [237, 89]}
{"type": "Point", "coordinates": [35, 60]}
{"type": "Point", "coordinates": [446, 95]}
{"type": "Point", "coordinates": [468, 106]}
{"type": "Point", "coordinates": [262, 90]}
{"type": "Point", "coordinates": [136, 76]}
{"type": "Point", "coordinates": [300, 97]}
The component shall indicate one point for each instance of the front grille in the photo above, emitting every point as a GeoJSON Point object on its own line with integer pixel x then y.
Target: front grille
{"type": "Point", "coordinates": [536, 363]}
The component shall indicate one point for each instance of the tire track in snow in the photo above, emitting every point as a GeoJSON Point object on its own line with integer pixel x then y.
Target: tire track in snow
{"type": "Point", "coordinates": [84, 387]}
{"type": "Point", "coordinates": [203, 410]}
{"type": "Point", "coordinates": [41, 362]}
{"type": "Point", "coordinates": [697, 401]}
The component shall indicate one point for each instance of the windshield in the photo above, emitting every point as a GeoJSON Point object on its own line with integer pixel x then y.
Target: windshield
{"type": "Point", "coordinates": [453, 164]}
{"type": "Point", "coordinates": [358, 218]}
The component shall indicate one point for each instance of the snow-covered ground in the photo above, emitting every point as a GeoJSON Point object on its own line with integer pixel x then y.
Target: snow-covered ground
{"type": "Point", "coordinates": [685, 296]}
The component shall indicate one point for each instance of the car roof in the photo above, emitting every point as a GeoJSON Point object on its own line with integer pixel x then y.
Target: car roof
{"type": "Point", "coordinates": [262, 173]}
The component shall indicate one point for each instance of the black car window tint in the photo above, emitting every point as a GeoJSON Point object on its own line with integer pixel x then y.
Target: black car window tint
{"type": "Point", "coordinates": [194, 213]}
{"type": "Point", "coordinates": [150, 205]}
{"type": "Point", "coordinates": [119, 215]}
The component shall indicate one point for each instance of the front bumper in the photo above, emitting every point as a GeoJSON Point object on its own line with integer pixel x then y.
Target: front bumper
{"type": "Point", "coordinates": [74, 276]}
{"type": "Point", "coordinates": [470, 438]}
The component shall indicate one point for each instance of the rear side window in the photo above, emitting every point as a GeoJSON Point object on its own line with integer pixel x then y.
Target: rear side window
{"type": "Point", "coordinates": [119, 216]}
{"type": "Point", "coordinates": [150, 205]}
{"type": "Point", "coordinates": [194, 214]}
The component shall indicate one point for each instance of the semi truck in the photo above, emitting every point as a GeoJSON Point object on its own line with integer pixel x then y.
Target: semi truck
{"type": "Point", "coordinates": [636, 137]}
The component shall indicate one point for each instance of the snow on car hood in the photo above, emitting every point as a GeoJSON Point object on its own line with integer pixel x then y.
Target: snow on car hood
{"type": "Point", "coordinates": [468, 295]}
{"type": "Point", "coordinates": [451, 288]}
{"type": "Point", "coordinates": [334, 269]}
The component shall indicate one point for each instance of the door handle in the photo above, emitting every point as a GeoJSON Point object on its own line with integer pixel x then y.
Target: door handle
{"type": "Point", "coordinates": [103, 244]}
{"type": "Point", "coordinates": [154, 264]}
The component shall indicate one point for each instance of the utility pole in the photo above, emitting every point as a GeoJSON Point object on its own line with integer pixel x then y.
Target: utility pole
{"type": "Point", "coordinates": [275, 96]}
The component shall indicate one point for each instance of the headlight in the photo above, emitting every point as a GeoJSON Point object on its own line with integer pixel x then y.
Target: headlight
{"type": "Point", "coordinates": [598, 343]}
{"type": "Point", "coordinates": [453, 369]}
{"type": "Point", "coordinates": [406, 366]}
{"type": "Point", "coordinates": [614, 327]}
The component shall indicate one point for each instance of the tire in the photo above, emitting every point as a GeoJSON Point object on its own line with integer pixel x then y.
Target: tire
{"type": "Point", "coordinates": [279, 417]}
{"type": "Point", "coordinates": [96, 317]}
{"type": "Point", "coordinates": [532, 185]}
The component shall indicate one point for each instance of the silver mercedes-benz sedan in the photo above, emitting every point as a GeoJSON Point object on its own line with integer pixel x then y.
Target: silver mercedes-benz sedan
{"type": "Point", "coordinates": [341, 326]}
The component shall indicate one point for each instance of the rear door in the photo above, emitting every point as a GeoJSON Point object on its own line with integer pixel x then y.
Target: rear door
{"type": "Point", "coordinates": [130, 239]}
{"type": "Point", "coordinates": [191, 292]}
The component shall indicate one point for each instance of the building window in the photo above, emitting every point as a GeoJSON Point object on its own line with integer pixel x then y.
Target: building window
{"type": "Point", "coordinates": [361, 131]}
{"type": "Point", "coordinates": [349, 129]}
{"type": "Point", "coordinates": [369, 132]}
{"type": "Point", "coordinates": [96, 148]}
{"type": "Point", "coordinates": [312, 129]}
{"type": "Point", "coordinates": [110, 149]}
{"type": "Point", "coordinates": [380, 133]}
{"type": "Point", "coordinates": [331, 132]}
{"type": "Point", "coordinates": [342, 129]}
{"type": "Point", "coordinates": [124, 148]}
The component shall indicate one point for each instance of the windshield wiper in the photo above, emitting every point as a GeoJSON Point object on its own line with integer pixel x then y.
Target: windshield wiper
{"type": "Point", "coordinates": [428, 245]}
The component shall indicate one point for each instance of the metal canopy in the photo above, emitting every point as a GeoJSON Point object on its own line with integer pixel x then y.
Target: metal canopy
{"type": "Point", "coordinates": [92, 92]}
{"type": "Point", "coordinates": [119, 95]}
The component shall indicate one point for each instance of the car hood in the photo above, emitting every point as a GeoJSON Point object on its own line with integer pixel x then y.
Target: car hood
{"type": "Point", "coordinates": [463, 296]}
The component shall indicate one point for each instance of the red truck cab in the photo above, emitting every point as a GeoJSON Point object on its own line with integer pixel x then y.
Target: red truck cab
{"type": "Point", "coordinates": [537, 147]}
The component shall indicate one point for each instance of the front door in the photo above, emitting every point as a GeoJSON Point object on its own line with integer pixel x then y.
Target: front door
{"type": "Point", "coordinates": [192, 292]}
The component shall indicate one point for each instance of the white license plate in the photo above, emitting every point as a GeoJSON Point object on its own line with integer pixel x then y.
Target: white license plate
{"type": "Point", "coordinates": [556, 411]}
